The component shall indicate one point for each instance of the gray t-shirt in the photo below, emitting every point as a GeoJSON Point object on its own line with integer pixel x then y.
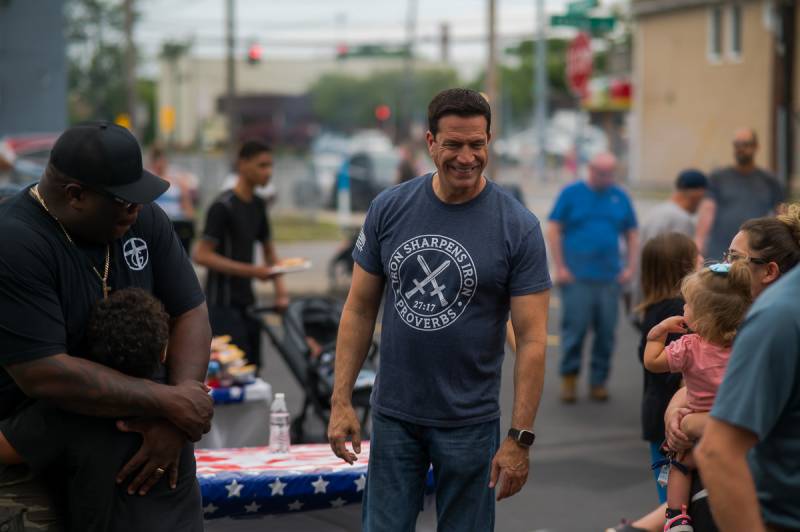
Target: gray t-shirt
{"type": "Point", "coordinates": [450, 272]}
{"type": "Point", "coordinates": [739, 197]}
{"type": "Point", "coordinates": [666, 217]}
{"type": "Point", "coordinates": [761, 393]}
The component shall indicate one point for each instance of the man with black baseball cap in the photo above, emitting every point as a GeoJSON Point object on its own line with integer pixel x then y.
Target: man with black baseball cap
{"type": "Point", "coordinates": [89, 227]}
{"type": "Point", "coordinates": [106, 156]}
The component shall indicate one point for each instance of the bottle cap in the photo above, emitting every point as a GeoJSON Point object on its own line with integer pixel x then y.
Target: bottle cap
{"type": "Point", "coordinates": [278, 403]}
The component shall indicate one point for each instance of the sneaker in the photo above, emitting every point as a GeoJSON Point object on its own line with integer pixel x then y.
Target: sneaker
{"type": "Point", "coordinates": [679, 523]}
{"type": "Point", "coordinates": [568, 388]}
{"type": "Point", "coordinates": [598, 392]}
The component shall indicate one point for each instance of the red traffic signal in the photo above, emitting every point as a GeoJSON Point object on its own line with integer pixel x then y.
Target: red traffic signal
{"type": "Point", "coordinates": [254, 53]}
{"type": "Point", "coordinates": [383, 112]}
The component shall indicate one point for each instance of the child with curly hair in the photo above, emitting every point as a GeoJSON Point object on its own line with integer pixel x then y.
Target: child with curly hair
{"type": "Point", "coordinates": [128, 331]}
{"type": "Point", "coordinates": [717, 298]}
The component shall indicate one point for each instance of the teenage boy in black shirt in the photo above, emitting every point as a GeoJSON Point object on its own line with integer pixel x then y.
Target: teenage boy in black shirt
{"type": "Point", "coordinates": [235, 222]}
{"type": "Point", "coordinates": [89, 226]}
{"type": "Point", "coordinates": [128, 332]}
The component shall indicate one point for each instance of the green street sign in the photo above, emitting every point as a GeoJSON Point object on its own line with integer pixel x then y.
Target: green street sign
{"type": "Point", "coordinates": [593, 24]}
{"type": "Point", "coordinates": [602, 24]}
{"type": "Point", "coordinates": [578, 21]}
{"type": "Point", "coordinates": [581, 6]}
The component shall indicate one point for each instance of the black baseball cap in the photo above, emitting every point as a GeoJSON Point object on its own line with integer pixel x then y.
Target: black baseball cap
{"type": "Point", "coordinates": [106, 156]}
{"type": "Point", "coordinates": [690, 179]}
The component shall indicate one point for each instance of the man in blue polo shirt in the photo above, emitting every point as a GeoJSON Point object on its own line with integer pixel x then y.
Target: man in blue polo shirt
{"type": "Point", "coordinates": [585, 227]}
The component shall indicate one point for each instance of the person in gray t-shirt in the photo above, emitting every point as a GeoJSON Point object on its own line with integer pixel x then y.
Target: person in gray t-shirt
{"type": "Point", "coordinates": [736, 194]}
{"type": "Point", "coordinates": [676, 215]}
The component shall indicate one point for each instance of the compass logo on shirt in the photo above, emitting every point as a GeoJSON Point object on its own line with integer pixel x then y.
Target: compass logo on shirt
{"type": "Point", "coordinates": [136, 254]}
{"type": "Point", "coordinates": [433, 278]}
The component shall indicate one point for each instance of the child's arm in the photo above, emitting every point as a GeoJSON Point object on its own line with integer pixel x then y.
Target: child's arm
{"type": "Point", "coordinates": [693, 424]}
{"type": "Point", "coordinates": [655, 359]}
{"type": "Point", "coordinates": [8, 455]}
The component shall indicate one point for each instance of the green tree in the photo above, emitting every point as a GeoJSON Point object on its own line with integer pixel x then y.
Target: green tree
{"type": "Point", "coordinates": [345, 103]}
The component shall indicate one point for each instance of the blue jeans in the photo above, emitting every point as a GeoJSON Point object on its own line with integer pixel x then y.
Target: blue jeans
{"type": "Point", "coordinates": [585, 305]}
{"type": "Point", "coordinates": [400, 455]}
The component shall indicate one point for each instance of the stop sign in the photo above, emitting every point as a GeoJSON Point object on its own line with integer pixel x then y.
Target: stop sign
{"type": "Point", "coordinates": [579, 64]}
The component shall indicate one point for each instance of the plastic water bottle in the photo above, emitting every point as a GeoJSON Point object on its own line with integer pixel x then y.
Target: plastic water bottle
{"type": "Point", "coordinates": [279, 436]}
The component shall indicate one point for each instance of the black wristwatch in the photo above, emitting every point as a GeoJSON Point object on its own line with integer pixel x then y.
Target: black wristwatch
{"type": "Point", "coordinates": [522, 437]}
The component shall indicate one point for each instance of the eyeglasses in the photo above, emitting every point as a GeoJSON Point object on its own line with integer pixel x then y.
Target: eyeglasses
{"type": "Point", "coordinates": [732, 256]}
{"type": "Point", "coordinates": [125, 204]}
{"type": "Point", "coordinates": [116, 199]}
{"type": "Point", "coordinates": [743, 144]}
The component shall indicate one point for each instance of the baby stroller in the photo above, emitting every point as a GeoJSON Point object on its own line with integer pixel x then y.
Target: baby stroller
{"type": "Point", "coordinates": [305, 336]}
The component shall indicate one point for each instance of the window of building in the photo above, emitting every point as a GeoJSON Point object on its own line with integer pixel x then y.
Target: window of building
{"type": "Point", "coordinates": [735, 50]}
{"type": "Point", "coordinates": [715, 33]}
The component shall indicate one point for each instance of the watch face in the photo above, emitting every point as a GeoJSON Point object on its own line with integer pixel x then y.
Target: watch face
{"type": "Point", "coordinates": [526, 437]}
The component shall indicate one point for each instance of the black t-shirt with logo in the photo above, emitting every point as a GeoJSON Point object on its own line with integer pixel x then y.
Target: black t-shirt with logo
{"type": "Point", "coordinates": [48, 288]}
{"type": "Point", "coordinates": [234, 225]}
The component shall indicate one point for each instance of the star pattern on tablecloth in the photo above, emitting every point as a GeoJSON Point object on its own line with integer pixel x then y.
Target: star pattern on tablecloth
{"type": "Point", "coordinates": [338, 502]}
{"type": "Point", "coordinates": [320, 485]}
{"type": "Point", "coordinates": [252, 507]}
{"type": "Point", "coordinates": [360, 482]}
{"type": "Point", "coordinates": [209, 508]}
{"type": "Point", "coordinates": [234, 489]}
{"type": "Point", "coordinates": [277, 487]}
{"type": "Point", "coordinates": [295, 506]}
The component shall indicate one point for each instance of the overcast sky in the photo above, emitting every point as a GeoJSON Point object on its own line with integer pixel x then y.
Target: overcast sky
{"type": "Point", "coordinates": [311, 28]}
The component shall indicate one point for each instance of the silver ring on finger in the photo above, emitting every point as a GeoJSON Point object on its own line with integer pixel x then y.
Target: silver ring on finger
{"type": "Point", "coordinates": [160, 470]}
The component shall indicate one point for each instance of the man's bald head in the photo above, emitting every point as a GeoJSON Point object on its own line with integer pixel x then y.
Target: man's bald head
{"type": "Point", "coordinates": [745, 145]}
{"type": "Point", "coordinates": [602, 170]}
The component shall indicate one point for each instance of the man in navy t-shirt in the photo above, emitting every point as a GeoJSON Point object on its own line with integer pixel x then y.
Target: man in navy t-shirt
{"type": "Point", "coordinates": [586, 225]}
{"type": "Point", "coordinates": [452, 253]}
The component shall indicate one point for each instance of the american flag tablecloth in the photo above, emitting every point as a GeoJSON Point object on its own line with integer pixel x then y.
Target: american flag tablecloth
{"type": "Point", "coordinates": [250, 481]}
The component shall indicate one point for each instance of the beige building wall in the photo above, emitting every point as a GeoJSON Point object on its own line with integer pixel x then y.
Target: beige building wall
{"type": "Point", "coordinates": [687, 103]}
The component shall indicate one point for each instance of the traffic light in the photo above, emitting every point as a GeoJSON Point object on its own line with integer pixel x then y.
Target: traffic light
{"type": "Point", "coordinates": [383, 112]}
{"type": "Point", "coordinates": [254, 53]}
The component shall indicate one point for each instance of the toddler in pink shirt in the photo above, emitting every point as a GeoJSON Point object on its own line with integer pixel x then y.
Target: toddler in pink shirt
{"type": "Point", "coordinates": [717, 299]}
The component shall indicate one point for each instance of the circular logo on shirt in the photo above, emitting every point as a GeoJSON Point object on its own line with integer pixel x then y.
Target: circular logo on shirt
{"type": "Point", "coordinates": [135, 252]}
{"type": "Point", "coordinates": [433, 279]}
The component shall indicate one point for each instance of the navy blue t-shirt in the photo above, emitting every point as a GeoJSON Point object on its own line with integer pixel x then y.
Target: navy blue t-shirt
{"type": "Point", "coordinates": [451, 271]}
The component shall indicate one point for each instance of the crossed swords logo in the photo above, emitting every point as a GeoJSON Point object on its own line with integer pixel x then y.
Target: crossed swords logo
{"type": "Point", "coordinates": [419, 286]}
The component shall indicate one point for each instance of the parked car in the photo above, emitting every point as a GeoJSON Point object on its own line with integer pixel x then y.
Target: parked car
{"type": "Point", "coordinates": [23, 159]}
{"type": "Point", "coordinates": [369, 174]}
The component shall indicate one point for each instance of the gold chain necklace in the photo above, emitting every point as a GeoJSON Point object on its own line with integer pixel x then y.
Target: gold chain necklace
{"type": "Point", "coordinates": [106, 268]}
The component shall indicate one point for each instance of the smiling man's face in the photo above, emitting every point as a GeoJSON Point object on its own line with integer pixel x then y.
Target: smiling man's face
{"type": "Point", "coordinates": [460, 151]}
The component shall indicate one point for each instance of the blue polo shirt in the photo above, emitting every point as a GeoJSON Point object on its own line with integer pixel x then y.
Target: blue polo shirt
{"type": "Point", "coordinates": [592, 222]}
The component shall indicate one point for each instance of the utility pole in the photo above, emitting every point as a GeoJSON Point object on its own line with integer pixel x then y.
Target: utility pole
{"type": "Point", "coordinates": [403, 131]}
{"type": "Point", "coordinates": [541, 90]}
{"type": "Point", "coordinates": [491, 87]}
{"type": "Point", "coordinates": [131, 103]}
{"type": "Point", "coordinates": [230, 74]}
{"type": "Point", "coordinates": [444, 42]}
